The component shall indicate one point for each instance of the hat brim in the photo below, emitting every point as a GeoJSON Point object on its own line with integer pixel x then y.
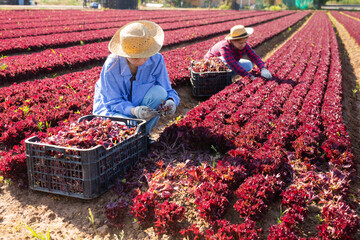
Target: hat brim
{"type": "Point", "coordinates": [154, 29]}
{"type": "Point", "coordinates": [249, 31]}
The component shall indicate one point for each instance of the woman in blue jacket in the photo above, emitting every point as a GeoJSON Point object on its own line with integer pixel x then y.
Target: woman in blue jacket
{"type": "Point", "coordinates": [134, 81]}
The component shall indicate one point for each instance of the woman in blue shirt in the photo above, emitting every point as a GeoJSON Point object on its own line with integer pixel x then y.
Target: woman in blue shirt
{"type": "Point", "coordinates": [134, 81]}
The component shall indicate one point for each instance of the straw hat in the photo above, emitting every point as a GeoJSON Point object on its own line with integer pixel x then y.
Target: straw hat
{"type": "Point", "coordinates": [139, 39]}
{"type": "Point", "coordinates": [238, 32]}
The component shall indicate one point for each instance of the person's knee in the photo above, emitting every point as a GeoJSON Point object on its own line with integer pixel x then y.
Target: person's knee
{"type": "Point", "coordinates": [246, 64]}
{"type": "Point", "coordinates": [159, 93]}
{"type": "Point", "coordinates": [154, 96]}
{"type": "Point", "coordinates": [249, 66]}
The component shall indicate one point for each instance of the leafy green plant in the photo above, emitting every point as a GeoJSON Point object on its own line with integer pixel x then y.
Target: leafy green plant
{"type": "Point", "coordinates": [3, 66]}
{"type": "Point", "coordinates": [318, 218]}
{"type": "Point", "coordinates": [4, 180]}
{"type": "Point", "coordinates": [281, 214]}
{"type": "Point", "coordinates": [121, 236]}
{"type": "Point", "coordinates": [40, 126]}
{"type": "Point", "coordinates": [91, 219]}
{"type": "Point", "coordinates": [356, 89]}
{"type": "Point", "coordinates": [25, 109]}
{"type": "Point", "coordinates": [39, 236]}
{"type": "Point", "coordinates": [71, 88]}
{"type": "Point", "coordinates": [47, 124]}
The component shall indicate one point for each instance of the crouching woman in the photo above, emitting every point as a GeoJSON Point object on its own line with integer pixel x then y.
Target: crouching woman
{"type": "Point", "coordinates": [134, 80]}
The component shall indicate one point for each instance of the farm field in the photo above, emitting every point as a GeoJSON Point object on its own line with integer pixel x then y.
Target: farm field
{"type": "Point", "coordinates": [261, 159]}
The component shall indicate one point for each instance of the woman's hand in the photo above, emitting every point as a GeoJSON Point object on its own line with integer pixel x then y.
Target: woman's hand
{"type": "Point", "coordinates": [265, 73]}
{"type": "Point", "coordinates": [170, 104]}
{"type": "Point", "coordinates": [144, 112]}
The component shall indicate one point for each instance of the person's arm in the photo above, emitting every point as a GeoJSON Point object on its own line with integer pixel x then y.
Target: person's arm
{"type": "Point", "coordinates": [257, 60]}
{"type": "Point", "coordinates": [162, 79]}
{"type": "Point", "coordinates": [111, 93]}
{"type": "Point", "coordinates": [117, 96]}
{"type": "Point", "coordinates": [254, 57]}
{"type": "Point", "coordinates": [233, 64]}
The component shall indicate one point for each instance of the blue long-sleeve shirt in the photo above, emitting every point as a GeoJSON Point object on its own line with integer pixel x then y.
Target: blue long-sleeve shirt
{"type": "Point", "coordinates": [112, 90]}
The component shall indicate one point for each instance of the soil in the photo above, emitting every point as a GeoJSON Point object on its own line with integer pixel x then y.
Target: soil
{"type": "Point", "coordinates": [68, 218]}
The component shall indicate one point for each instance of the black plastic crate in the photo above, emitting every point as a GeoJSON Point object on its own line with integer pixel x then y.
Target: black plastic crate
{"type": "Point", "coordinates": [209, 83]}
{"type": "Point", "coordinates": [83, 173]}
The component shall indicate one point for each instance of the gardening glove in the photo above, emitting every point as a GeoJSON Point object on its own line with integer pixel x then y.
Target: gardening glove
{"type": "Point", "coordinates": [253, 77]}
{"type": "Point", "coordinates": [144, 112]}
{"type": "Point", "coordinates": [265, 73]}
{"type": "Point", "coordinates": [170, 107]}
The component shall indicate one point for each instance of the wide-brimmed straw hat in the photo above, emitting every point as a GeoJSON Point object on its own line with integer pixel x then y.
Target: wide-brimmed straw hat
{"type": "Point", "coordinates": [238, 32]}
{"type": "Point", "coordinates": [139, 39]}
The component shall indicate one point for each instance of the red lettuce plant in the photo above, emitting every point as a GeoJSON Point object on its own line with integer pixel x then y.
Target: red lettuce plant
{"type": "Point", "coordinates": [281, 231]}
{"type": "Point", "coordinates": [116, 212]}
{"type": "Point", "coordinates": [255, 194]}
{"type": "Point", "coordinates": [295, 201]}
{"type": "Point", "coordinates": [340, 221]}
{"type": "Point", "coordinates": [211, 200]}
{"type": "Point", "coordinates": [294, 196]}
{"type": "Point", "coordinates": [167, 217]}
{"type": "Point", "coordinates": [226, 231]}
{"type": "Point", "coordinates": [13, 165]}
{"type": "Point", "coordinates": [192, 232]}
{"type": "Point", "coordinates": [143, 208]}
